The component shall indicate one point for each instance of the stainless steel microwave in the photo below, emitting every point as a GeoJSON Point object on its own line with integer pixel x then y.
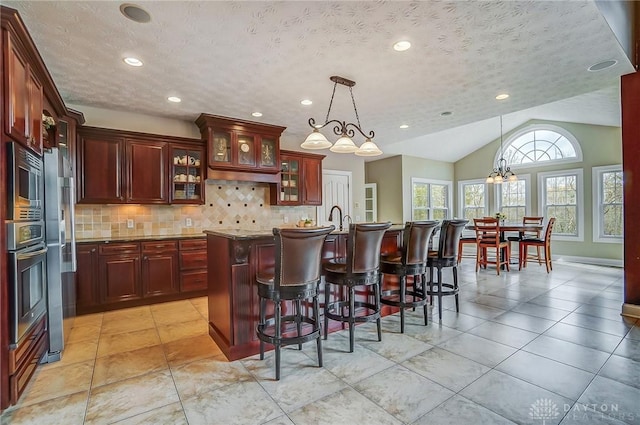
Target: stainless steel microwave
{"type": "Point", "coordinates": [25, 184]}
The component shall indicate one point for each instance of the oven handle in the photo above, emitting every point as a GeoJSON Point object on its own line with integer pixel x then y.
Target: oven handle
{"type": "Point", "coordinates": [27, 255]}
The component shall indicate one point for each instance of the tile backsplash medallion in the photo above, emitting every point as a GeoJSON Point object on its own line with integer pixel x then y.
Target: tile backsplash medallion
{"type": "Point", "coordinates": [229, 205]}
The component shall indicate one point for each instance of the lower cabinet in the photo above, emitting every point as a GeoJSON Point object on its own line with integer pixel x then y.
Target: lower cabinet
{"type": "Point", "coordinates": [24, 358]}
{"type": "Point", "coordinates": [125, 274]}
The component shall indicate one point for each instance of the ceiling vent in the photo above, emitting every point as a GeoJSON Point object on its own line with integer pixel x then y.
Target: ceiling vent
{"type": "Point", "coordinates": [135, 13]}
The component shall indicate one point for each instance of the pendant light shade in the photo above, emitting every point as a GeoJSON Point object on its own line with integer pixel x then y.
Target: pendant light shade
{"type": "Point", "coordinates": [368, 148]}
{"type": "Point", "coordinates": [316, 140]}
{"type": "Point", "coordinates": [344, 145]}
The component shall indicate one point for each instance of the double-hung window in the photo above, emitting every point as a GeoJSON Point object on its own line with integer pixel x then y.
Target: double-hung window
{"type": "Point", "coordinates": [607, 204]}
{"type": "Point", "coordinates": [514, 198]}
{"type": "Point", "coordinates": [473, 200]}
{"type": "Point", "coordinates": [560, 196]}
{"type": "Point", "coordinates": [431, 199]}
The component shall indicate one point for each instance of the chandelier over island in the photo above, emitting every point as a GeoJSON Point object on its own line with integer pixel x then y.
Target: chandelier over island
{"type": "Point", "coordinates": [346, 130]}
{"type": "Point", "coordinates": [502, 172]}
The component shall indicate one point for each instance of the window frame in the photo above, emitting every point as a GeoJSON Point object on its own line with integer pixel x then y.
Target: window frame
{"type": "Point", "coordinates": [540, 127]}
{"type": "Point", "coordinates": [527, 181]}
{"type": "Point", "coordinates": [430, 208]}
{"type": "Point", "coordinates": [596, 173]}
{"type": "Point", "coordinates": [461, 204]}
{"type": "Point", "coordinates": [579, 173]}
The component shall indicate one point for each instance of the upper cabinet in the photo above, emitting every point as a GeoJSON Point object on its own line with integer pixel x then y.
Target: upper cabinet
{"type": "Point", "coordinates": [116, 167]}
{"type": "Point", "coordinates": [24, 97]}
{"type": "Point", "coordinates": [300, 180]}
{"type": "Point", "coordinates": [239, 147]}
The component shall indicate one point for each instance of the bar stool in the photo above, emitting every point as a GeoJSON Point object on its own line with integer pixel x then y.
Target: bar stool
{"type": "Point", "coordinates": [296, 278]}
{"type": "Point", "coordinates": [446, 256]}
{"type": "Point", "coordinates": [359, 268]}
{"type": "Point", "coordinates": [411, 261]}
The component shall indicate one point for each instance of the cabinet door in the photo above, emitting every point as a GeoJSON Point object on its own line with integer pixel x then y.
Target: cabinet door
{"type": "Point", "coordinates": [246, 150]}
{"type": "Point", "coordinates": [119, 277]}
{"type": "Point", "coordinates": [146, 181]}
{"type": "Point", "coordinates": [220, 148]}
{"type": "Point", "coordinates": [160, 274]}
{"type": "Point", "coordinates": [86, 276]}
{"type": "Point", "coordinates": [100, 171]}
{"type": "Point", "coordinates": [268, 154]}
{"type": "Point", "coordinates": [16, 97]}
{"type": "Point", "coordinates": [312, 178]}
{"type": "Point", "coordinates": [36, 103]}
{"type": "Point", "coordinates": [186, 176]}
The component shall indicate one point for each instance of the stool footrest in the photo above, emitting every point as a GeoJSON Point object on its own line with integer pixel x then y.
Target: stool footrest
{"type": "Point", "coordinates": [451, 290]}
{"type": "Point", "coordinates": [338, 305]}
{"type": "Point", "coordinates": [288, 340]}
{"type": "Point", "coordinates": [420, 299]}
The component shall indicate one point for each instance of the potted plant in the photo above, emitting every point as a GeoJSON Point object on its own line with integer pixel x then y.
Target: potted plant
{"type": "Point", "coordinates": [501, 217]}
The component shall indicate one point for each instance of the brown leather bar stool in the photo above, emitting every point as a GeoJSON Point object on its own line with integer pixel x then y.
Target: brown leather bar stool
{"type": "Point", "coordinates": [411, 261]}
{"type": "Point", "coordinates": [446, 256]}
{"type": "Point", "coordinates": [296, 278]}
{"type": "Point", "coordinates": [359, 268]}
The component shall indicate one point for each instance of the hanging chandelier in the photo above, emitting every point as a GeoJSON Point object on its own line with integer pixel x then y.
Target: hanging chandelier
{"type": "Point", "coordinates": [502, 172]}
{"type": "Point", "coordinates": [346, 130]}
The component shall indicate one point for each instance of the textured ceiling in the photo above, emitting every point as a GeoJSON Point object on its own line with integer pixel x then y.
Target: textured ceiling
{"type": "Point", "coordinates": [234, 58]}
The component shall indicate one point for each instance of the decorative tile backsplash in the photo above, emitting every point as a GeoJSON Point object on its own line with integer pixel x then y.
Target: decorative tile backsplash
{"type": "Point", "coordinates": [229, 205]}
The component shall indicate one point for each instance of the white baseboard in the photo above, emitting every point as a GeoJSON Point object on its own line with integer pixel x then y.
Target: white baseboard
{"type": "Point", "coordinates": [631, 310]}
{"type": "Point", "coordinates": [589, 260]}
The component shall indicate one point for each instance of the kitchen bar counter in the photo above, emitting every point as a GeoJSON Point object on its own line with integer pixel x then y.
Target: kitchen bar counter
{"type": "Point", "coordinates": [234, 258]}
{"type": "Point", "coordinates": [140, 238]}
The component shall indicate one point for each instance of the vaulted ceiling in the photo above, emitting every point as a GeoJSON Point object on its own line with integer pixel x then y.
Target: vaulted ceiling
{"type": "Point", "coordinates": [236, 58]}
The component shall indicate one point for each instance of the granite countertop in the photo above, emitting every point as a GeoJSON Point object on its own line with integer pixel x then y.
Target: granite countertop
{"type": "Point", "coordinates": [140, 238]}
{"type": "Point", "coordinates": [239, 234]}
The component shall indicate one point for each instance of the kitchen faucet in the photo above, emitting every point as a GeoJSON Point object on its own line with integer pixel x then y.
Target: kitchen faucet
{"type": "Point", "coordinates": [331, 215]}
{"type": "Point", "coordinates": [348, 218]}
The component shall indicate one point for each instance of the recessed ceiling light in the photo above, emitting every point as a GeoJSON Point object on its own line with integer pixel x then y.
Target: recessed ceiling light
{"type": "Point", "coordinates": [401, 46]}
{"type": "Point", "coordinates": [446, 113]}
{"type": "Point", "coordinates": [602, 65]}
{"type": "Point", "coordinates": [132, 61]}
{"type": "Point", "coordinates": [502, 96]}
{"type": "Point", "coordinates": [306, 102]}
{"type": "Point", "coordinates": [257, 114]}
{"type": "Point", "coordinates": [174, 99]}
{"type": "Point", "coordinates": [135, 13]}
{"type": "Point", "coordinates": [404, 126]}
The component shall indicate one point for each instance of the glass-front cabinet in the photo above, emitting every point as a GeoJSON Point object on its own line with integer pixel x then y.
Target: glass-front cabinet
{"type": "Point", "coordinates": [187, 176]}
{"type": "Point", "coordinates": [290, 180]}
{"type": "Point", "coordinates": [220, 148]}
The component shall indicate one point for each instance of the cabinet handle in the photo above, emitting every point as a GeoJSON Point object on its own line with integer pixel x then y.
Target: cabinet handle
{"type": "Point", "coordinates": [145, 258]}
{"type": "Point", "coordinates": [93, 250]}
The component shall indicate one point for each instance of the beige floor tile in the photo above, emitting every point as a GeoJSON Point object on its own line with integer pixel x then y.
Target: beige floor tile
{"type": "Point", "coordinates": [88, 320]}
{"type": "Point", "coordinates": [128, 341]}
{"type": "Point", "coordinates": [128, 313]}
{"type": "Point", "coordinates": [182, 330]}
{"type": "Point", "coordinates": [170, 415]}
{"type": "Point", "coordinates": [126, 365]}
{"type": "Point", "coordinates": [121, 325]}
{"type": "Point", "coordinates": [173, 306]}
{"type": "Point", "coordinates": [75, 352]}
{"type": "Point", "coordinates": [67, 410]}
{"type": "Point", "coordinates": [57, 382]}
{"type": "Point", "coordinates": [187, 350]}
{"type": "Point", "coordinates": [89, 333]}
{"type": "Point", "coordinates": [167, 316]}
{"type": "Point", "coordinates": [125, 399]}
{"type": "Point", "coordinates": [202, 305]}
{"type": "Point", "coordinates": [208, 374]}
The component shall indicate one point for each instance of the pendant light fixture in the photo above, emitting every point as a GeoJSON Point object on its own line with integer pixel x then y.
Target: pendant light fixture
{"type": "Point", "coordinates": [502, 172]}
{"type": "Point", "coordinates": [346, 130]}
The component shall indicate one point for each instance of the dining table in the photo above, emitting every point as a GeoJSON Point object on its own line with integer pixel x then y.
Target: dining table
{"type": "Point", "coordinates": [513, 227]}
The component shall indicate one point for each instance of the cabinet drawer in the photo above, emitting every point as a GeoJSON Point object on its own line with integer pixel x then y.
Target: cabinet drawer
{"type": "Point", "coordinates": [119, 248]}
{"type": "Point", "coordinates": [19, 380]}
{"type": "Point", "coordinates": [193, 244]}
{"type": "Point", "coordinates": [191, 260]}
{"type": "Point", "coordinates": [159, 246]}
{"type": "Point", "coordinates": [18, 356]}
{"type": "Point", "coordinates": [193, 281]}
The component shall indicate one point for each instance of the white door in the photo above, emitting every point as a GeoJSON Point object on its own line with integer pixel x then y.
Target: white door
{"type": "Point", "coordinates": [336, 190]}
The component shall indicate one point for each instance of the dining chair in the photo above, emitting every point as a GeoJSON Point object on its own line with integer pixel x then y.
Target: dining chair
{"type": "Point", "coordinates": [529, 234]}
{"type": "Point", "coordinates": [488, 236]}
{"type": "Point", "coordinates": [296, 278]}
{"type": "Point", "coordinates": [540, 243]}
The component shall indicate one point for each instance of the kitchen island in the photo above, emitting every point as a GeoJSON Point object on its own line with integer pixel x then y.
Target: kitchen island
{"type": "Point", "coordinates": [234, 258]}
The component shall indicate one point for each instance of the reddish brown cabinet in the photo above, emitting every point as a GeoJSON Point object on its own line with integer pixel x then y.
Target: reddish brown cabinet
{"type": "Point", "coordinates": [116, 167]}
{"type": "Point", "coordinates": [24, 97]}
{"type": "Point", "coordinates": [119, 272]}
{"type": "Point", "coordinates": [159, 268]}
{"type": "Point", "coordinates": [238, 145]}
{"type": "Point", "coordinates": [300, 179]}
{"type": "Point", "coordinates": [193, 265]}
{"type": "Point", "coordinates": [87, 276]}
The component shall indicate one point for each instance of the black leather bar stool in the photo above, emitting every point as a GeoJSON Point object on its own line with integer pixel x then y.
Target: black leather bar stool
{"type": "Point", "coordinates": [359, 268]}
{"type": "Point", "coordinates": [296, 278]}
{"type": "Point", "coordinates": [446, 256]}
{"type": "Point", "coordinates": [411, 261]}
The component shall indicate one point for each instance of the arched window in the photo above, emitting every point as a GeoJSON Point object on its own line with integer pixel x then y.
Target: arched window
{"type": "Point", "coordinates": [539, 145]}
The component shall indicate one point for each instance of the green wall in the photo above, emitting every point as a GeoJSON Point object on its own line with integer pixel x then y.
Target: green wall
{"type": "Point", "coordinates": [601, 145]}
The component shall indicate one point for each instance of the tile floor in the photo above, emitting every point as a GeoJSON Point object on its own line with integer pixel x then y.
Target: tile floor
{"type": "Point", "coordinates": [527, 347]}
